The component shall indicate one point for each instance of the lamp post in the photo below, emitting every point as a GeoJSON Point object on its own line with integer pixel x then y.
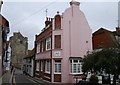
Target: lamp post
{"type": "Point", "coordinates": [1, 2]}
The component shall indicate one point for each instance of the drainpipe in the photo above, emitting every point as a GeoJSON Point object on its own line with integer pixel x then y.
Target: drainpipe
{"type": "Point", "coordinates": [0, 51]}
{"type": "Point", "coordinates": [1, 2]}
{"type": "Point", "coordinates": [51, 69]}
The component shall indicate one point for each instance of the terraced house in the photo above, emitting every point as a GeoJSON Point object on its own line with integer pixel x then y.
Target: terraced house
{"type": "Point", "coordinates": [61, 46]}
{"type": "Point", "coordinates": [103, 38]}
{"type": "Point", "coordinates": [4, 30]}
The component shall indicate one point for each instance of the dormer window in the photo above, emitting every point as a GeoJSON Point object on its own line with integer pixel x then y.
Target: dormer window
{"type": "Point", "coordinates": [57, 21]}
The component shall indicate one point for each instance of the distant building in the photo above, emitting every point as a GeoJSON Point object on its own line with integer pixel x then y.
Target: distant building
{"type": "Point", "coordinates": [61, 46]}
{"type": "Point", "coordinates": [103, 38]}
{"type": "Point", "coordinates": [28, 66]}
{"type": "Point", "coordinates": [19, 47]}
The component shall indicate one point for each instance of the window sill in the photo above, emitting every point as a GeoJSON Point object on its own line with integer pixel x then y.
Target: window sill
{"type": "Point", "coordinates": [47, 72]}
{"type": "Point", "coordinates": [48, 49]}
{"type": "Point", "coordinates": [76, 73]}
{"type": "Point", "coordinates": [57, 73]}
{"type": "Point", "coordinates": [47, 77]}
{"type": "Point", "coordinates": [36, 70]}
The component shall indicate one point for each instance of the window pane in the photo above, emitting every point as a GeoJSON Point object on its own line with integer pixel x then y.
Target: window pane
{"type": "Point", "coordinates": [38, 48]}
{"type": "Point", "coordinates": [76, 66]}
{"type": "Point", "coordinates": [47, 66]}
{"type": "Point", "coordinates": [41, 65]}
{"type": "Point", "coordinates": [57, 66]}
{"type": "Point", "coordinates": [37, 66]}
{"type": "Point", "coordinates": [75, 61]}
{"type": "Point", "coordinates": [42, 46]}
{"type": "Point", "coordinates": [48, 43]}
{"type": "Point", "coordinates": [57, 41]}
{"type": "Point", "coordinates": [71, 68]}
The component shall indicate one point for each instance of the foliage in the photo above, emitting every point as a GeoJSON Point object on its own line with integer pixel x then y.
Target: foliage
{"type": "Point", "coordinates": [94, 79]}
{"type": "Point", "coordinates": [106, 60]}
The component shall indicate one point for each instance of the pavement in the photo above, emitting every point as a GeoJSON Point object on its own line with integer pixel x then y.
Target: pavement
{"type": "Point", "coordinates": [6, 79]}
{"type": "Point", "coordinates": [41, 81]}
{"type": "Point", "coordinates": [19, 79]}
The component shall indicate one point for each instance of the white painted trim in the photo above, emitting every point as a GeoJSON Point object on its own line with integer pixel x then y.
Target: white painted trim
{"type": "Point", "coordinates": [47, 72]}
{"type": "Point", "coordinates": [56, 73]}
{"type": "Point", "coordinates": [47, 77]}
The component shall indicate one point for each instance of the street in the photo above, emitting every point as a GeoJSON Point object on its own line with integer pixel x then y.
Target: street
{"type": "Point", "coordinates": [20, 78]}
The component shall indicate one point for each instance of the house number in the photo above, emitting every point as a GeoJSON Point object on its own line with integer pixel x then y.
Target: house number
{"type": "Point", "coordinates": [57, 53]}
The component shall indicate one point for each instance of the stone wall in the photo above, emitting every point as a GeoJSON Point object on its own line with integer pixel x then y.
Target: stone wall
{"type": "Point", "coordinates": [19, 47]}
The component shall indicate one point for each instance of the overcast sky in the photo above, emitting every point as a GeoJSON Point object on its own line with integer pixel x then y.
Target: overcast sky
{"type": "Point", "coordinates": [28, 16]}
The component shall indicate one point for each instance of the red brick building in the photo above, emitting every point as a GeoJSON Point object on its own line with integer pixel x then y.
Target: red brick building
{"type": "Point", "coordinates": [103, 38]}
{"type": "Point", "coordinates": [43, 49]}
{"type": "Point", "coordinates": [4, 30]}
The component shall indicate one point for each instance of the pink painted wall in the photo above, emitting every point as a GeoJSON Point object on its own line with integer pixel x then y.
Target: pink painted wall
{"type": "Point", "coordinates": [76, 32]}
{"type": "Point", "coordinates": [56, 32]}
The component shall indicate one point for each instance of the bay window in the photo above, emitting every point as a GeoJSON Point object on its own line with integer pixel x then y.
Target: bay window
{"type": "Point", "coordinates": [76, 66]}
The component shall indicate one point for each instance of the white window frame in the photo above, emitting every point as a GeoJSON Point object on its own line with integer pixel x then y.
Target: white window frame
{"type": "Point", "coordinates": [38, 48]}
{"type": "Point", "coordinates": [41, 66]}
{"type": "Point", "coordinates": [57, 64]}
{"type": "Point", "coordinates": [47, 66]}
{"type": "Point", "coordinates": [75, 67]}
{"type": "Point", "coordinates": [48, 42]}
{"type": "Point", "coordinates": [37, 66]}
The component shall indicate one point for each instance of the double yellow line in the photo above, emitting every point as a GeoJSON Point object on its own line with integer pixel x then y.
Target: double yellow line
{"type": "Point", "coordinates": [14, 80]}
{"type": "Point", "coordinates": [32, 80]}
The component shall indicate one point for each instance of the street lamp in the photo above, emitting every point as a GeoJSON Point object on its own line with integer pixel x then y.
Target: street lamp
{"type": "Point", "coordinates": [1, 2]}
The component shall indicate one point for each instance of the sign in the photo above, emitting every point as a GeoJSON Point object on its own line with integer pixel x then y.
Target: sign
{"type": "Point", "coordinates": [57, 53]}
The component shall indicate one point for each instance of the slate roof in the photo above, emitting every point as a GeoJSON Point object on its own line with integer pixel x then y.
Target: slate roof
{"type": "Point", "coordinates": [31, 53]}
{"type": "Point", "coordinates": [109, 34]}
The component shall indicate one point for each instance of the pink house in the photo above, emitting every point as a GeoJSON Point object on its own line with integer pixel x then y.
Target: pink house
{"type": "Point", "coordinates": [61, 46]}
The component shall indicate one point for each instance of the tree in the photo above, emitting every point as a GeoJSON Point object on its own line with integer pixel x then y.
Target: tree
{"type": "Point", "coordinates": [107, 60]}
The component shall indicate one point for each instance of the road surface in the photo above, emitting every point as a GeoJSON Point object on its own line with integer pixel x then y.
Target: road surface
{"type": "Point", "coordinates": [21, 79]}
